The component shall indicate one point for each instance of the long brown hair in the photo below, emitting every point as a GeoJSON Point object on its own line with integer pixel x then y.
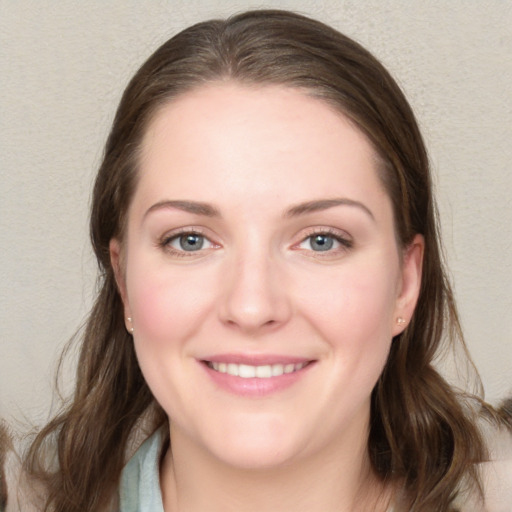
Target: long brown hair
{"type": "Point", "coordinates": [422, 434]}
{"type": "Point", "coordinates": [4, 446]}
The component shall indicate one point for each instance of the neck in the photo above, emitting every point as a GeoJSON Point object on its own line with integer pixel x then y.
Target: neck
{"type": "Point", "coordinates": [337, 479]}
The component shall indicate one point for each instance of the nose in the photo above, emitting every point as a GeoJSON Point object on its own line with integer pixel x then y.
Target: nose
{"type": "Point", "coordinates": [254, 297]}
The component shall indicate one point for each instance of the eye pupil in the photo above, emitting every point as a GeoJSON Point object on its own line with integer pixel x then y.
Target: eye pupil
{"type": "Point", "coordinates": [321, 242]}
{"type": "Point", "coordinates": [191, 242]}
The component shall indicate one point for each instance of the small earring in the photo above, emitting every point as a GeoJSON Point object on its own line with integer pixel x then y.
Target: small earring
{"type": "Point", "coordinates": [130, 330]}
{"type": "Point", "coordinates": [400, 320]}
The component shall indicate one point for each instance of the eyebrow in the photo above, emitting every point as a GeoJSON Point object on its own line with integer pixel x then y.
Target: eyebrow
{"type": "Point", "coordinates": [324, 204]}
{"type": "Point", "coordinates": [194, 207]}
{"type": "Point", "coordinates": [208, 210]}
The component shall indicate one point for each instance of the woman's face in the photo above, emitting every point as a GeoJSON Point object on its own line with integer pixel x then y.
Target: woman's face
{"type": "Point", "coordinates": [262, 274]}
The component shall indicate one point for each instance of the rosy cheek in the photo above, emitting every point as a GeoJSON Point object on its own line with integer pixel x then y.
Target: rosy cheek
{"type": "Point", "coordinates": [343, 304]}
{"type": "Point", "coordinates": [166, 303]}
{"type": "Point", "coordinates": [151, 311]}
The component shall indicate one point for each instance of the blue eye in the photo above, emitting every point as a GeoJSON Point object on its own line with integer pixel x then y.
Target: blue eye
{"type": "Point", "coordinates": [191, 242]}
{"type": "Point", "coordinates": [187, 242]}
{"type": "Point", "coordinates": [321, 242]}
{"type": "Point", "coordinates": [325, 242]}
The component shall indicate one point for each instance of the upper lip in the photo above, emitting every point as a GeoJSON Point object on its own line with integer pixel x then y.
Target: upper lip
{"type": "Point", "coordinates": [255, 359]}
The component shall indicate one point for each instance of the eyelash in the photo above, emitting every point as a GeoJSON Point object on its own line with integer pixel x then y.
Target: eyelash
{"type": "Point", "coordinates": [345, 243]}
{"type": "Point", "coordinates": [165, 242]}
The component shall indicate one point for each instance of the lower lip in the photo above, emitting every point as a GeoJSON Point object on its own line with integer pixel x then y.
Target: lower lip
{"type": "Point", "coordinates": [255, 387]}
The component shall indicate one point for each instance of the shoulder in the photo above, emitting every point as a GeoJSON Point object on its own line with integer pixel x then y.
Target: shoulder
{"type": "Point", "coordinates": [140, 480]}
{"type": "Point", "coordinates": [496, 474]}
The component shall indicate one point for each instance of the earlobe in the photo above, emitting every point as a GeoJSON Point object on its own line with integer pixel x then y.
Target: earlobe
{"type": "Point", "coordinates": [410, 285]}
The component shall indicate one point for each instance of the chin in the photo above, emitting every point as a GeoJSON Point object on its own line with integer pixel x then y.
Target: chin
{"type": "Point", "coordinates": [255, 457]}
{"type": "Point", "coordinates": [259, 447]}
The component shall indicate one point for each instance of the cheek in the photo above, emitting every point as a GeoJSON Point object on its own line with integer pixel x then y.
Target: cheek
{"type": "Point", "coordinates": [167, 304]}
{"type": "Point", "coordinates": [168, 308]}
{"type": "Point", "coordinates": [355, 303]}
{"type": "Point", "coordinates": [353, 310]}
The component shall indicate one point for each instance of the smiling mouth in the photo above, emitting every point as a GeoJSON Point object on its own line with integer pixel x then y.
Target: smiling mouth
{"type": "Point", "coordinates": [246, 371]}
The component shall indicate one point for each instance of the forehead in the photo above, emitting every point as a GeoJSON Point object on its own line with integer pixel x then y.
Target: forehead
{"type": "Point", "coordinates": [249, 141]}
{"type": "Point", "coordinates": [232, 105]}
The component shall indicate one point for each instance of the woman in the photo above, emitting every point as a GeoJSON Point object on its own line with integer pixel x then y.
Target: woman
{"type": "Point", "coordinates": [272, 294]}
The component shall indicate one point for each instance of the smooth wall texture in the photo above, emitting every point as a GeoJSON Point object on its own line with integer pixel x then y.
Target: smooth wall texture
{"type": "Point", "coordinates": [63, 66]}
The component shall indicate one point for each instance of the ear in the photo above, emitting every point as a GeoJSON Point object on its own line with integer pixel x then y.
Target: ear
{"type": "Point", "coordinates": [410, 284]}
{"type": "Point", "coordinates": [116, 261]}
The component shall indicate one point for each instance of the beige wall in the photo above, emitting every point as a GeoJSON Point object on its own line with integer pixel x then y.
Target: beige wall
{"type": "Point", "coordinates": [63, 66]}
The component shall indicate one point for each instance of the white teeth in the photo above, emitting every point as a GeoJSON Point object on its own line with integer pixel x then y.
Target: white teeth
{"type": "Point", "coordinates": [232, 369]}
{"type": "Point", "coordinates": [289, 368]}
{"type": "Point", "coordinates": [264, 372]}
{"type": "Point", "coordinates": [247, 371]}
{"type": "Point", "coordinates": [277, 369]}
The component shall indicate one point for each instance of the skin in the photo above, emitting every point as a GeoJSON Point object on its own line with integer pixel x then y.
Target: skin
{"type": "Point", "coordinates": [259, 285]}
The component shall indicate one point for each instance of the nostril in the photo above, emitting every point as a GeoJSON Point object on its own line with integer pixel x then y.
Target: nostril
{"type": "Point", "coordinates": [251, 300]}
